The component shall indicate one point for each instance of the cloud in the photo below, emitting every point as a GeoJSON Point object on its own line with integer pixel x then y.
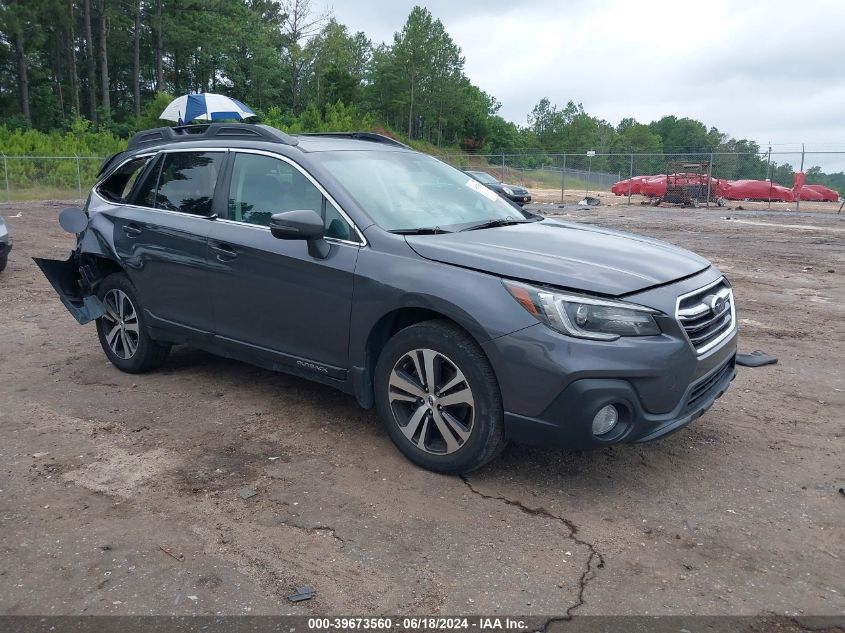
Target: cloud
{"type": "Point", "coordinates": [770, 72]}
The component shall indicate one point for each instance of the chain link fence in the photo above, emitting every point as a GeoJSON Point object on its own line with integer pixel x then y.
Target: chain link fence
{"type": "Point", "coordinates": [717, 178]}
{"type": "Point", "coordinates": [642, 178]}
{"type": "Point", "coordinates": [48, 177]}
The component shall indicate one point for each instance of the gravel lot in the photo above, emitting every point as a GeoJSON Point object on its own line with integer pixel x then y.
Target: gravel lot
{"type": "Point", "coordinates": [121, 494]}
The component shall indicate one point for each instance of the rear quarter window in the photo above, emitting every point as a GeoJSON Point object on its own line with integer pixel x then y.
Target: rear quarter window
{"type": "Point", "coordinates": [118, 186]}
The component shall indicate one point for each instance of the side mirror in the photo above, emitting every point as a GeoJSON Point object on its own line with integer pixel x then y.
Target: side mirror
{"type": "Point", "coordinates": [303, 224]}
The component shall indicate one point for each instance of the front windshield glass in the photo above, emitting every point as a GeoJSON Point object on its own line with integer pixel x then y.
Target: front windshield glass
{"type": "Point", "coordinates": [404, 191]}
{"type": "Point", "coordinates": [483, 177]}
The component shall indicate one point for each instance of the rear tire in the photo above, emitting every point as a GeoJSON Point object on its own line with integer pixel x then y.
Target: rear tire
{"type": "Point", "coordinates": [439, 398]}
{"type": "Point", "coordinates": [123, 330]}
{"type": "Point", "coordinates": [3, 261]}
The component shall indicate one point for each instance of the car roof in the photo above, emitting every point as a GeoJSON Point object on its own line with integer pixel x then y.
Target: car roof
{"type": "Point", "coordinates": [248, 136]}
{"type": "Point", "coordinates": [351, 142]}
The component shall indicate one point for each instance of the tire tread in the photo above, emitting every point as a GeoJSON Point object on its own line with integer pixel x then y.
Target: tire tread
{"type": "Point", "coordinates": [150, 353]}
{"type": "Point", "coordinates": [446, 332]}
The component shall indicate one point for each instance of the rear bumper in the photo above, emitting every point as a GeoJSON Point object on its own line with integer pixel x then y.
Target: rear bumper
{"type": "Point", "coordinates": [567, 422]}
{"type": "Point", "coordinates": [75, 293]}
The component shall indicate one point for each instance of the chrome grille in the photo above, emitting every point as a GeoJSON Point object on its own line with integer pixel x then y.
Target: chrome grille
{"type": "Point", "coordinates": [707, 315]}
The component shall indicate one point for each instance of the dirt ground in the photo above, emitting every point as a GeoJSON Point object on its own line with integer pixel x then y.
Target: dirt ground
{"type": "Point", "coordinates": [121, 494]}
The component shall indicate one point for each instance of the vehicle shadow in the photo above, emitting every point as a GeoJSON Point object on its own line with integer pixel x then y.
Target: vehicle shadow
{"type": "Point", "coordinates": [629, 469]}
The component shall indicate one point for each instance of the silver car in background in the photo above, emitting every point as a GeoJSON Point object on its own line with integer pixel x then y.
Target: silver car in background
{"type": "Point", "coordinates": [5, 243]}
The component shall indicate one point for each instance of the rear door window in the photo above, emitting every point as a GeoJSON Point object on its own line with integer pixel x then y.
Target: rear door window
{"type": "Point", "coordinates": [188, 180]}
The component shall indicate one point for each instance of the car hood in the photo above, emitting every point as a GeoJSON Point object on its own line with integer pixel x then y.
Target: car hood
{"type": "Point", "coordinates": [563, 254]}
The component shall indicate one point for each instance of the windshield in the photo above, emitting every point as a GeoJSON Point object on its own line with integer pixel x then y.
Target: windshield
{"type": "Point", "coordinates": [404, 191]}
{"type": "Point", "coordinates": [483, 177]}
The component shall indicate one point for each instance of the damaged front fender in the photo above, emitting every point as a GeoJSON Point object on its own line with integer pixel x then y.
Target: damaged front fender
{"type": "Point", "coordinates": [66, 277]}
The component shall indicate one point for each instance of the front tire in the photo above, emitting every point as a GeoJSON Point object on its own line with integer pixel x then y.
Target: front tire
{"type": "Point", "coordinates": [122, 330]}
{"type": "Point", "coordinates": [3, 261]}
{"type": "Point", "coordinates": [439, 399]}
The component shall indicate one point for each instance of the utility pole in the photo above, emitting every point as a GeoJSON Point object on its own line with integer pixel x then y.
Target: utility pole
{"type": "Point", "coordinates": [563, 178]}
{"type": "Point", "coordinates": [798, 197]}
{"type": "Point", "coordinates": [709, 180]}
{"type": "Point", "coordinates": [769, 174]}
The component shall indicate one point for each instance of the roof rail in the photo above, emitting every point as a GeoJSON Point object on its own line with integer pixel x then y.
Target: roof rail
{"type": "Point", "coordinates": [210, 131]}
{"type": "Point", "coordinates": [360, 136]}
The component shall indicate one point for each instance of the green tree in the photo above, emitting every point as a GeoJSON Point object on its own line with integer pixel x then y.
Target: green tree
{"type": "Point", "coordinates": [636, 138]}
{"type": "Point", "coordinates": [118, 61]}
{"type": "Point", "coordinates": [299, 22]}
{"type": "Point", "coordinates": [340, 63]}
{"type": "Point", "coordinates": [418, 82]}
{"type": "Point", "coordinates": [547, 124]}
{"type": "Point", "coordinates": [783, 174]}
{"type": "Point", "coordinates": [413, 54]}
{"type": "Point", "coordinates": [685, 135]}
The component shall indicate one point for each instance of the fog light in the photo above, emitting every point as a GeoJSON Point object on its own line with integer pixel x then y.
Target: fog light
{"type": "Point", "coordinates": [605, 420]}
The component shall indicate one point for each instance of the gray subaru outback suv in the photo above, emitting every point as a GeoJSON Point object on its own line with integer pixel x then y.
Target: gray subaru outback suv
{"type": "Point", "coordinates": [351, 260]}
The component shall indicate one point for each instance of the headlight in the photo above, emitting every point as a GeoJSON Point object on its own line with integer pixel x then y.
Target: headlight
{"type": "Point", "coordinates": [585, 317]}
{"type": "Point", "coordinates": [508, 190]}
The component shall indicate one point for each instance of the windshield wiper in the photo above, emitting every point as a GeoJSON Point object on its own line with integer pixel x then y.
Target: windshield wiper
{"type": "Point", "coordinates": [489, 224]}
{"type": "Point", "coordinates": [429, 230]}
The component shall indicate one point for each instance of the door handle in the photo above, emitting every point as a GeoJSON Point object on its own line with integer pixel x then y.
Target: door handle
{"type": "Point", "coordinates": [224, 251]}
{"type": "Point", "coordinates": [132, 230]}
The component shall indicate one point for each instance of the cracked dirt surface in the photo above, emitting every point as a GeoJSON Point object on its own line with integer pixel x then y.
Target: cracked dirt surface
{"type": "Point", "coordinates": [105, 473]}
{"type": "Point", "coordinates": [595, 560]}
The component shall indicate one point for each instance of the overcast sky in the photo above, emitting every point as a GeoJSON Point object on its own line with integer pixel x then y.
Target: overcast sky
{"type": "Point", "coordinates": [768, 71]}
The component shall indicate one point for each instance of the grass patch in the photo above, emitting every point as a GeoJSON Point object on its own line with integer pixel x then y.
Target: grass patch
{"type": "Point", "coordinates": [38, 192]}
{"type": "Point", "coordinates": [537, 178]}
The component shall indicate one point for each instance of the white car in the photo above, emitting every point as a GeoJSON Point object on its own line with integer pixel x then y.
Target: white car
{"type": "Point", "coordinates": [5, 243]}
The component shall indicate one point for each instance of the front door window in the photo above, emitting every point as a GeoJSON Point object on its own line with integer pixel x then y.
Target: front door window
{"type": "Point", "coordinates": [263, 185]}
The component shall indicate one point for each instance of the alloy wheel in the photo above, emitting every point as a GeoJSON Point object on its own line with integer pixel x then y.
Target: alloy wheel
{"type": "Point", "coordinates": [432, 402]}
{"type": "Point", "coordinates": [121, 324]}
